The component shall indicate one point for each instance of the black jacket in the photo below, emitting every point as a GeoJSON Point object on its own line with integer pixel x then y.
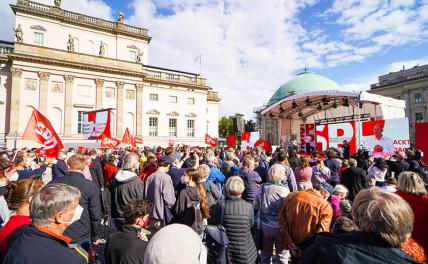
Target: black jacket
{"type": "Point", "coordinates": [59, 169]}
{"type": "Point", "coordinates": [355, 179]}
{"type": "Point", "coordinates": [125, 187]}
{"type": "Point", "coordinates": [187, 209]}
{"type": "Point", "coordinates": [238, 219]}
{"type": "Point", "coordinates": [352, 248]}
{"type": "Point", "coordinates": [89, 222]}
{"type": "Point", "coordinates": [125, 247]}
{"type": "Point", "coordinates": [33, 246]}
{"type": "Point", "coordinates": [97, 173]}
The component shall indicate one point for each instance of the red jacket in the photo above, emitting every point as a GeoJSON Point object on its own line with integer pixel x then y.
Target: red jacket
{"type": "Point", "coordinates": [15, 222]}
{"type": "Point", "coordinates": [148, 170]}
{"type": "Point", "coordinates": [419, 205]}
{"type": "Point", "coordinates": [109, 172]}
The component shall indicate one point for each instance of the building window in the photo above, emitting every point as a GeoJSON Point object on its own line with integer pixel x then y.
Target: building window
{"type": "Point", "coordinates": [419, 117]}
{"type": "Point", "coordinates": [191, 128]}
{"type": "Point", "coordinates": [80, 122]}
{"type": "Point", "coordinates": [418, 97]}
{"type": "Point", "coordinates": [190, 100]}
{"type": "Point", "coordinates": [153, 126]}
{"type": "Point", "coordinates": [38, 38]}
{"type": "Point", "coordinates": [173, 99]}
{"type": "Point", "coordinates": [154, 97]}
{"type": "Point", "coordinates": [172, 127]}
{"type": "Point", "coordinates": [133, 55]}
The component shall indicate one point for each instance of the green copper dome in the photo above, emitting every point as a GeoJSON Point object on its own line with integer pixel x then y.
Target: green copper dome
{"type": "Point", "coordinates": [303, 83]}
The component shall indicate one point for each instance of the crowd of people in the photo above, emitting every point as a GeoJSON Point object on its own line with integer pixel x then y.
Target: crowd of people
{"type": "Point", "coordinates": [212, 205]}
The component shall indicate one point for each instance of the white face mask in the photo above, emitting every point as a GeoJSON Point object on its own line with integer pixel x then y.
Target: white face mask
{"type": "Point", "coordinates": [76, 216]}
{"type": "Point", "coordinates": [14, 177]}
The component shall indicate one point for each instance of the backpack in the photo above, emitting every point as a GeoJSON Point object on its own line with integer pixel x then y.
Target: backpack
{"type": "Point", "coordinates": [216, 240]}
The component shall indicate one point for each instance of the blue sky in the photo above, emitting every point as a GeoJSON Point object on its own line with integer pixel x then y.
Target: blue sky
{"type": "Point", "coordinates": [251, 47]}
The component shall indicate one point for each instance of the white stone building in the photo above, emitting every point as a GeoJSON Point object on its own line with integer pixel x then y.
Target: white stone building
{"type": "Point", "coordinates": [64, 63]}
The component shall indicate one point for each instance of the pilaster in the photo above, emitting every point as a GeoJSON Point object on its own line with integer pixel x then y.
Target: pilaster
{"type": "Point", "coordinates": [43, 92]}
{"type": "Point", "coordinates": [15, 96]}
{"type": "Point", "coordinates": [68, 113]}
{"type": "Point", "coordinates": [119, 109]}
{"type": "Point", "coordinates": [99, 84]}
{"type": "Point", "coordinates": [139, 110]}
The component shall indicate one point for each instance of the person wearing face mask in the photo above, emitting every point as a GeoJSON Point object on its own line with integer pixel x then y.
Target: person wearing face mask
{"type": "Point", "coordinates": [22, 164]}
{"type": "Point", "coordinates": [59, 167]}
{"type": "Point", "coordinates": [160, 192]}
{"type": "Point", "coordinates": [7, 174]}
{"type": "Point", "coordinates": [52, 211]}
{"type": "Point", "coordinates": [86, 229]}
{"type": "Point", "coordinates": [129, 245]}
{"type": "Point", "coordinates": [125, 187]}
{"type": "Point", "coordinates": [191, 207]}
{"type": "Point", "coordinates": [18, 198]}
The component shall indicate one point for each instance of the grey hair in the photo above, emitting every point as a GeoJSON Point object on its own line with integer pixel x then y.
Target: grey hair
{"type": "Point", "coordinates": [410, 182]}
{"type": "Point", "coordinates": [247, 162]}
{"type": "Point", "coordinates": [210, 157]}
{"type": "Point", "coordinates": [277, 173]}
{"type": "Point", "coordinates": [51, 200]}
{"type": "Point", "coordinates": [230, 156]}
{"type": "Point", "coordinates": [383, 214]}
{"type": "Point", "coordinates": [130, 162]}
{"type": "Point", "coordinates": [352, 162]}
{"type": "Point", "coordinates": [235, 186]}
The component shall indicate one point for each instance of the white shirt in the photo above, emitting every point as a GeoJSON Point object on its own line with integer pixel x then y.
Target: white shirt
{"type": "Point", "coordinates": [386, 143]}
{"type": "Point", "coordinates": [379, 174]}
{"type": "Point", "coordinates": [307, 139]}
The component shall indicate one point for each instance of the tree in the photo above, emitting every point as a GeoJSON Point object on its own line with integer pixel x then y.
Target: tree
{"type": "Point", "coordinates": [225, 126]}
{"type": "Point", "coordinates": [250, 126]}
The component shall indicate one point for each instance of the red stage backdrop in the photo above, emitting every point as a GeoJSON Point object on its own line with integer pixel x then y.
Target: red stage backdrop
{"type": "Point", "coordinates": [333, 135]}
{"type": "Point", "coordinates": [421, 140]}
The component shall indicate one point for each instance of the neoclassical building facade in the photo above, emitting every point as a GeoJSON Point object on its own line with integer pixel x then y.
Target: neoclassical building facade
{"type": "Point", "coordinates": [65, 63]}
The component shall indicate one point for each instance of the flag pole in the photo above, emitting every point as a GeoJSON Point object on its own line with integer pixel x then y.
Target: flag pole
{"type": "Point", "coordinates": [200, 65]}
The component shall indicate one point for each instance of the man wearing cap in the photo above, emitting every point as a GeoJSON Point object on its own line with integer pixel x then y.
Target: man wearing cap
{"type": "Point", "coordinates": [160, 192]}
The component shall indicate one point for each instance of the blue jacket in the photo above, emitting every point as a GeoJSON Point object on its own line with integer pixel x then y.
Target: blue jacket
{"type": "Point", "coordinates": [215, 174]}
{"type": "Point", "coordinates": [26, 173]}
{"type": "Point", "coordinates": [59, 169]}
{"type": "Point", "coordinates": [32, 246]}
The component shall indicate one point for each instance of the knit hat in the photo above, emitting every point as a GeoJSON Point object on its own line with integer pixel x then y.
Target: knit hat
{"type": "Point", "coordinates": [345, 206]}
{"type": "Point", "coordinates": [177, 244]}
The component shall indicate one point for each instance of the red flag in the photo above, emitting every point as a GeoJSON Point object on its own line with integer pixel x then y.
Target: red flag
{"type": "Point", "coordinates": [108, 142]}
{"type": "Point", "coordinates": [40, 130]}
{"type": "Point", "coordinates": [137, 141]}
{"type": "Point", "coordinates": [231, 141]}
{"type": "Point", "coordinates": [245, 136]}
{"type": "Point", "coordinates": [82, 150]}
{"type": "Point", "coordinates": [264, 144]}
{"type": "Point", "coordinates": [40, 152]}
{"type": "Point", "coordinates": [127, 137]}
{"type": "Point", "coordinates": [107, 131]}
{"type": "Point", "coordinates": [210, 141]}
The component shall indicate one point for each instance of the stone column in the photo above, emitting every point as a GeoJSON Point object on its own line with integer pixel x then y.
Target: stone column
{"type": "Point", "coordinates": [139, 110]}
{"type": "Point", "coordinates": [68, 105]}
{"type": "Point", "coordinates": [43, 94]}
{"type": "Point", "coordinates": [119, 109]}
{"type": "Point", "coordinates": [14, 102]}
{"type": "Point", "coordinates": [99, 86]}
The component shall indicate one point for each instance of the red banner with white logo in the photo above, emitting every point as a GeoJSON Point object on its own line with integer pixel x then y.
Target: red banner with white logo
{"type": "Point", "coordinates": [231, 141]}
{"type": "Point", "coordinates": [108, 142]}
{"type": "Point", "coordinates": [210, 141]}
{"type": "Point", "coordinates": [264, 144]}
{"type": "Point", "coordinates": [40, 130]}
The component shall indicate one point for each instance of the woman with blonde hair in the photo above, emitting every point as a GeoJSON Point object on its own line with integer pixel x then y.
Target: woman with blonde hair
{"type": "Point", "coordinates": [411, 188]}
{"type": "Point", "coordinates": [303, 174]}
{"type": "Point", "coordinates": [18, 198]}
{"type": "Point", "coordinates": [269, 200]}
{"type": "Point", "coordinates": [213, 194]}
{"type": "Point", "coordinates": [191, 207]}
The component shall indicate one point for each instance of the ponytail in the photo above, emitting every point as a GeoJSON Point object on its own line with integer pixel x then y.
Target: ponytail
{"type": "Point", "coordinates": [204, 202]}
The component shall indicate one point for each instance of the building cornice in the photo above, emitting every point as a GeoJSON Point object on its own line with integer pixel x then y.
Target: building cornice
{"type": "Point", "coordinates": [65, 16]}
{"type": "Point", "coordinates": [400, 84]}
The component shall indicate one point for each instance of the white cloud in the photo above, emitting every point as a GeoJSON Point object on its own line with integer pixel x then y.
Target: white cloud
{"type": "Point", "coordinates": [396, 66]}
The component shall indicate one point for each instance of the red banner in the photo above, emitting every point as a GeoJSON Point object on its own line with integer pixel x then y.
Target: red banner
{"type": "Point", "coordinates": [96, 123]}
{"type": "Point", "coordinates": [40, 130]}
{"type": "Point", "coordinates": [210, 141]}
{"type": "Point", "coordinates": [421, 141]}
{"type": "Point", "coordinates": [127, 137]}
{"type": "Point", "coordinates": [108, 142]}
{"type": "Point", "coordinates": [264, 144]}
{"type": "Point", "coordinates": [231, 141]}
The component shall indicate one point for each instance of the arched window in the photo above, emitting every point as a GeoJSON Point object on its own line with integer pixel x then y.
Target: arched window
{"type": "Point", "coordinates": [112, 123]}
{"type": "Point", "coordinates": [130, 122]}
{"type": "Point", "coordinates": [55, 116]}
{"type": "Point", "coordinates": [24, 117]}
{"type": "Point", "coordinates": [76, 44]}
{"type": "Point", "coordinates": [91, 47]}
